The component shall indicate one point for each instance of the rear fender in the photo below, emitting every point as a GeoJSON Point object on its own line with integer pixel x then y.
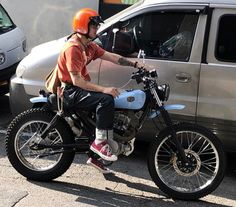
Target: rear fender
{"type": "Point", "coordinates": [38, 102]}
{"type": "Point", "coordinates": [41, 101]}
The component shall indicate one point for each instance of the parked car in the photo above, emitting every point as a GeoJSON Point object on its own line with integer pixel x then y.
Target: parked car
{"type": "Point", "coordinates": [12, 49]}
{"type": "Point", "coordinates": [192, 44]}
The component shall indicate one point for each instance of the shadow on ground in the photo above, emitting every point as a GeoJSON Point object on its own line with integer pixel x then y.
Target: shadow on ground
{"type": "Point", "coordinates": [109, 198]}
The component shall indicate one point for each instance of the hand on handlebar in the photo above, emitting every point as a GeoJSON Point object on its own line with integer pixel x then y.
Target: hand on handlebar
{"type": "Point", "coordinates": [142, 66]}
{"type": "Point", "coordinates": [143, 71]}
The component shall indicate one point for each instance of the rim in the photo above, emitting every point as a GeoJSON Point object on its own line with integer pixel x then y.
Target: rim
{"type": "Point", "coordinates": [32, 158]}
{"type": "Point", "coordinates": [203, 162]}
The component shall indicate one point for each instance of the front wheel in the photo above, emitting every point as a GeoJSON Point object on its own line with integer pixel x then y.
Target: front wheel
{"type": "Point", "coordinates": [32, 161]}
{"type": "Point", "coordinates": [205, 166]}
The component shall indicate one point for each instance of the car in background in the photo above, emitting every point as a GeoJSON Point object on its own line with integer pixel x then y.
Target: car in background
{"type": "Point", "coordinates": [191, 43]}
{"type": "Point", "coordinates": [12, 49]}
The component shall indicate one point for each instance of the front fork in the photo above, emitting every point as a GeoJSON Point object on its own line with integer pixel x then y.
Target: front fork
{"type": "Point", "coordinates": [169, 123]}
{"type": "Point", "coordinates": [181, 154]}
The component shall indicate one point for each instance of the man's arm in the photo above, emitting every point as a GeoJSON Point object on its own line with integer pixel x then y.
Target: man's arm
{"type": "Point", "coordinates": [118, 59]}
{"type": "Point", "coordinates": [86, 85]}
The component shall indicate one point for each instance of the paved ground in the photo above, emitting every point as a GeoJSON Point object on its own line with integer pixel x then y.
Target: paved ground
{"type": "Point", "coordinates": [82, 185]}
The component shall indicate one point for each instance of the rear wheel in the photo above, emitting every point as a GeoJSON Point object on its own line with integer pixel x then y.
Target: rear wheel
{"type": "Point", "coordinates": [27, 157]}
{"type": "Point", "coordinates": [204, 170]}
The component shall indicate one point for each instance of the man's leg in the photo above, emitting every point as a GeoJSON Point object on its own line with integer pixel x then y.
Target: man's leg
{"type": "Point", "coordinates": [103, 104]}
{"type": "Point", "coordinates": [104, 128]}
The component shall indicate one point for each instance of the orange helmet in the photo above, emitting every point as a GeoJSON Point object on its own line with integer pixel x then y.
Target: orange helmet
{"type": "Point", "coordinates": [83, 18]}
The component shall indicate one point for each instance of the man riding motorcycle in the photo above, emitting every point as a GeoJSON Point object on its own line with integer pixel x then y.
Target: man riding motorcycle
{"type": "Point", "coordinates": [80, 93]}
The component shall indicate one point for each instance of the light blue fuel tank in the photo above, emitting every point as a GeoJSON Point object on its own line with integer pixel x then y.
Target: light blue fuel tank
{"type": "Point", "coordinates": [134, 99]}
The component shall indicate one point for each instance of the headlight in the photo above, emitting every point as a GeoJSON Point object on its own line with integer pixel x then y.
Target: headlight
{"type": "Point", "coordinates": [20, 70]}
{"type": "Point", "coordinates": [163, 92]}
{"type": "Point", "coordinates": [2, 58]}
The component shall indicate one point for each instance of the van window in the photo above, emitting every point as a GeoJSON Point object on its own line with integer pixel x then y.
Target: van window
{"type": "Point", "coordinates": [167, 35]}
{"type": "Point", "coordinates": [226, 40]}
{"type": "Point", "coordinates": [6, 23]}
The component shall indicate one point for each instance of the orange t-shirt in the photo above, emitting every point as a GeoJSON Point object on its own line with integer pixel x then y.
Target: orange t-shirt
{"type": "Point", "coordinates": [73, 58]}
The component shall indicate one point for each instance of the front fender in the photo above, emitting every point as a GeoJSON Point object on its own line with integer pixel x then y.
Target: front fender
{"type": "Point", "coordinates": [170, 107]}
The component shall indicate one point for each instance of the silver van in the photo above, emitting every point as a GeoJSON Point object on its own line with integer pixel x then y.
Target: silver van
{"type": "Point", "coordinates": [12, 49]}
{"type": "Point", "coordinates": [191, 42]}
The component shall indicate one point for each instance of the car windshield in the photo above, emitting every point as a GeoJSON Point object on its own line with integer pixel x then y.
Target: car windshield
{"type": "Point", "coordinates": [126, 10]}
{"type": "Point", "coordinates": [112, 19]}
{"type": "Point", "coordinates": [6, 23]}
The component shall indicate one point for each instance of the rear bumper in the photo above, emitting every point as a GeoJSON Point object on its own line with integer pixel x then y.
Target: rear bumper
{"type": "Point", "coordinates": [19, 100]}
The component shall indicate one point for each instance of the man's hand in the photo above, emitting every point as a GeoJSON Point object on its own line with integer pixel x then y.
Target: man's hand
{"type": "Point", "coordinates": [140, 65]}
{"type": "Point", "coordinates": [143, 66]}
{"type": "Point", "coordinates": [111, 91]}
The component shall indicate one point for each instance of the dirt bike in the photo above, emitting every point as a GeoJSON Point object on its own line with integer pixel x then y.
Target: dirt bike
{"type": "Point", "coordinates": [185, 160]}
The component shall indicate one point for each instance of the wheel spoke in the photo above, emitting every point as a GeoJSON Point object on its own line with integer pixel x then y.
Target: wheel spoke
{"type": "Point", "coordinates": [39, 128]}
{"type": "Point", "coordinates": [208, 167]}
{"type": "Point", "coordinates": [205, 177]}
{"type": "Point", "coordinates": [167, 149]}
{"type": "Point", "coordinates": [171, 175]}
{"type": "Point", "coordinates": [166, 167]}
{"type": "Point", "coordinates": [25, 144]}
{"type": "Point", "coordinates": [201, 148]}
{"type": "Point", "coordinates": [209, 161]}
{"type": "Point", "coordinates": [199, 180]}
{"type": "Point", "coordinates": [205, 148]}
{"type": "Point", "coordinates": [56, 141]}
{"type": "Point", "coordinates": [195, 140]}
{"type": "Point", "coordinates": [35, 159]}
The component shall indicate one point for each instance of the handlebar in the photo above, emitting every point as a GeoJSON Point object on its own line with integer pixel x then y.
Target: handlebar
{"type": "Point", "coordinates": [143, 73]}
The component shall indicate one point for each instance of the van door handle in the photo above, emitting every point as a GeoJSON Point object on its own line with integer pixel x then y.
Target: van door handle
{"type": "Point", "coordinates": [182, 77]}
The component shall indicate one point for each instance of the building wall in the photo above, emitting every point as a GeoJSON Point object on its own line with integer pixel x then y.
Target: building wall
{"type": "Point", "coordinates": [45, 20]}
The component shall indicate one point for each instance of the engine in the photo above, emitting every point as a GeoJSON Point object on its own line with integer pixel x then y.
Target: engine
{"type": "Point", "coordinates": [125, 125]}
